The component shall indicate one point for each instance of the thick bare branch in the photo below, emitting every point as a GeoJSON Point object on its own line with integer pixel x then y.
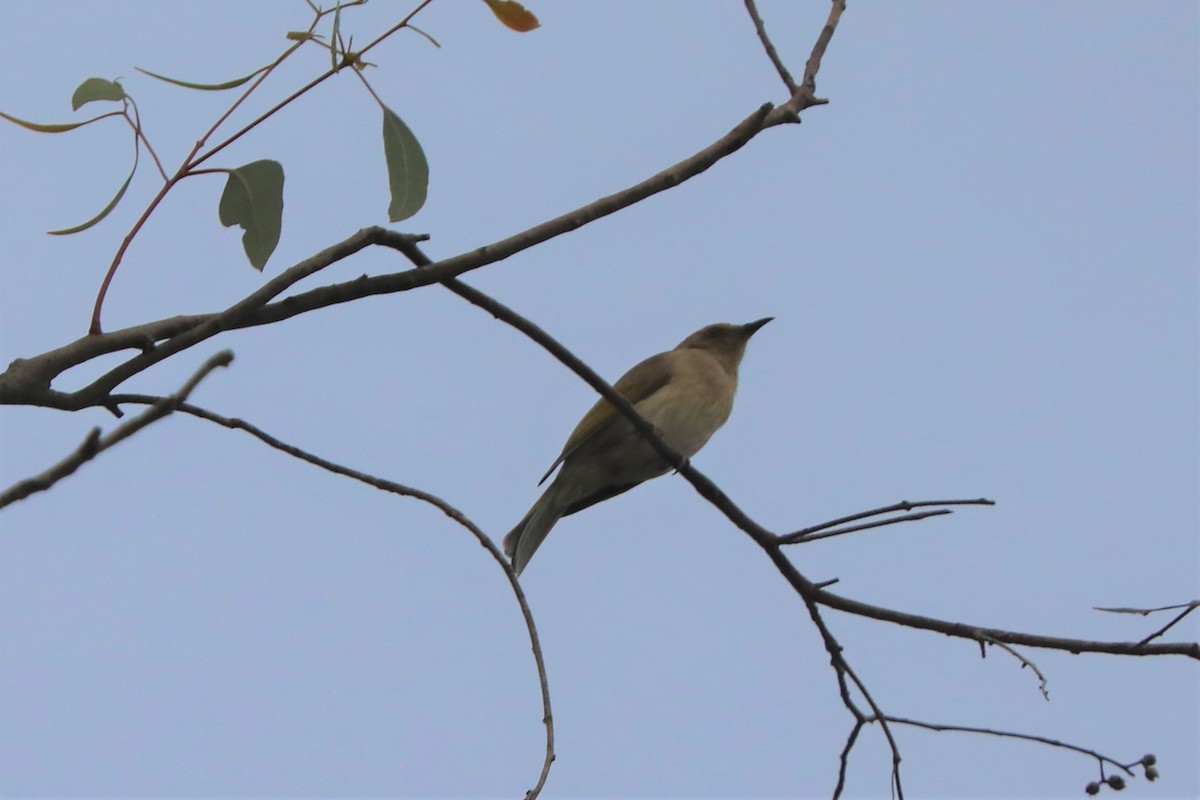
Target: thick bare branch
{"type": "Point", "coordinates": [27, 381]}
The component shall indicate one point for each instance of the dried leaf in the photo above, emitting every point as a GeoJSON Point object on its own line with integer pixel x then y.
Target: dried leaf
{"type": "Point", "coordinates": [514, 15]}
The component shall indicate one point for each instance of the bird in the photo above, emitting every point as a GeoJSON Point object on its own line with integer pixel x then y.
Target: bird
{"type": "Point", "coordinates": [686, 393]}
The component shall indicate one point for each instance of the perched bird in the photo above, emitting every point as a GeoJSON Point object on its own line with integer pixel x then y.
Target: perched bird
{"type": "Point", "coordinates": [685, 393]}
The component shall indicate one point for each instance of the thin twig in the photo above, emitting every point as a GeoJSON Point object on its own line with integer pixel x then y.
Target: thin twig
{"type": "Point", "coordinates": [1192, 607]}
{"type": "Point", "coordinates": [450, 511]}
{"type": "Point", "coordinates": [195, 158]}
{"type": "Point", "coordinates": [189, 162]}
{"type": "Point", "coordinates": [94, 444]}
{"type": "Point", "coordinates": [843, 669]}
{"type": "Point", "coordinates": [1043, 683]}
{"type": "Point", "coordinates": [761, 29]}
{"type": "Point", "coordinates": [935, 726]}
{"type": "Point", "coordinates": [804, 534]}
{"type": "Point", "coordinates": [914, 517]}
{"type": "Point", "coordinates": [844, 759]}
{"type": "Point", "coordinates": [1188, 608]}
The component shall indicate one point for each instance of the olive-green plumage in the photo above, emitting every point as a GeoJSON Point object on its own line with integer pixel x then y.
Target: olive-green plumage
{"type": "Point", "coordinates": [686, 393]}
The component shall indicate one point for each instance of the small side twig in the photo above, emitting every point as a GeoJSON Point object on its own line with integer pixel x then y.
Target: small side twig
{"type": "Point", "coordinates": [1188, 608]}
{"type": "Point", "coordinates": [94, 444]}
{"type": "Point", "coordinates": [1043, 683]}
{"type": "Point", "coordinates": [821, 530]}
{"type": "Point", "coordinates": [914, 517]}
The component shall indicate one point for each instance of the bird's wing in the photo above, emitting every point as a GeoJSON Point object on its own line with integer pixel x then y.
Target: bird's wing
{"type": "Point", "coordinates": [643, 380]}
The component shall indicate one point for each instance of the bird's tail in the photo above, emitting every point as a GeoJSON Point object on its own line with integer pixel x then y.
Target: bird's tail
{"type": "Point", "coordinates": [531, 531]}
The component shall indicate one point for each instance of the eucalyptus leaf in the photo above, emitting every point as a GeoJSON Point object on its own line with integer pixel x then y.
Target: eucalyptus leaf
{"type": "Point", "coordinates": [408, 171]}
{"type": "Point", "coordinates": [96, 89]}
{"type": "Point", "coordinates": [335, 36]}
{"type": "Point", "coordinates": [208, 87]}
{"type": "Point", "coordinates": [253, 199]}
{"type": "Point", "coordinates": [108, 208]}
{"type": "Point", "coordinates": [54, 127]}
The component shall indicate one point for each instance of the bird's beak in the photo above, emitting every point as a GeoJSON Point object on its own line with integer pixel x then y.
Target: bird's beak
{"type": "Point", "coordinates": [751, 327]}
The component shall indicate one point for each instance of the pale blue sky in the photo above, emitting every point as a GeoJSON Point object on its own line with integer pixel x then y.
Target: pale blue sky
{"type": "Point", "coordinates": [982, 260]}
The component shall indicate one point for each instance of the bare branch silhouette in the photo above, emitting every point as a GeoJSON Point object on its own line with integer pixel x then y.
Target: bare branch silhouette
{"type": "Point", "coordinates": [820, 531]}
{"type": "Point", "coordinates": [450, 511]}
{"type": "Point", "coordinates": [30, 381]}
{"type": "Point", "coordinates": [95, 444]}
{"type": "Point", "coordinates": [769, 48]}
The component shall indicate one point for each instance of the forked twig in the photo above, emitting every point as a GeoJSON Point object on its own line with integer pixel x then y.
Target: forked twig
{"type": "Point", "coordinates": [94, 444]}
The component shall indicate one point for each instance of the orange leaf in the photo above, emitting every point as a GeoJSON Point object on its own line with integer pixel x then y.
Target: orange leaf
{"type": "Point", "coordinates": [513, 14]}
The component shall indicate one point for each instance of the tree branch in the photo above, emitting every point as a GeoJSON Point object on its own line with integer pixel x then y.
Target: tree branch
{"type": "Point", "coordinates": [820, 531]}
{"type": "Point", "coordinates": [767, 540]}
{"type": "Point", "coordinates": [94, 443]}
{"type": "Point", "coordinates": [1101, 758]}
{"type": "Point", "coordinates": [769, 48]}
{"type": "Point", "coordinates": [842, 669]}
{"type": "Point", "coordinates": [805, 96]}
{"type": "Point", "coordinates": [450, 511]}
{"type": "Point", "coordinates": [27, 381]}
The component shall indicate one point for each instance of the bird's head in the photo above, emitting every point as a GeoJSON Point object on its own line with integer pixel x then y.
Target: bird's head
{"type": "Point", "coordinates": [724, 340]}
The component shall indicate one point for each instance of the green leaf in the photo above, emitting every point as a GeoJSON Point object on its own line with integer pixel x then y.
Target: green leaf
{"type": "Point", "coordinates": [96, 89]}
{"type": "Point", "coordinates": [58, 127]}
{"type": "Point", "coordinates": [253, 199]}
{"type": "Point", "coordinates": [208, 87]}
{"type": "Point", "coordinates": [334, 37]}
{"type": "Point", "coordinates": [408, 171]}
{"type": "Point", "coordinates": [108, 208]}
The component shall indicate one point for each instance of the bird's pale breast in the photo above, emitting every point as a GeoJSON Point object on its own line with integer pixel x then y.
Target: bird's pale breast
{"type": "Point", "coordinates": [690, 409]}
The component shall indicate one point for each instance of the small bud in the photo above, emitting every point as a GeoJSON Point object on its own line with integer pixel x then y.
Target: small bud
{"type": "Point", "coordinates": [1149, 760]}
{"type": "Point", "coordinates": [1151, 773]}
{"type": "Point", "coordinates": [1116, 782]}
{"type": "Point", "coordinates": [1092, 788]}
